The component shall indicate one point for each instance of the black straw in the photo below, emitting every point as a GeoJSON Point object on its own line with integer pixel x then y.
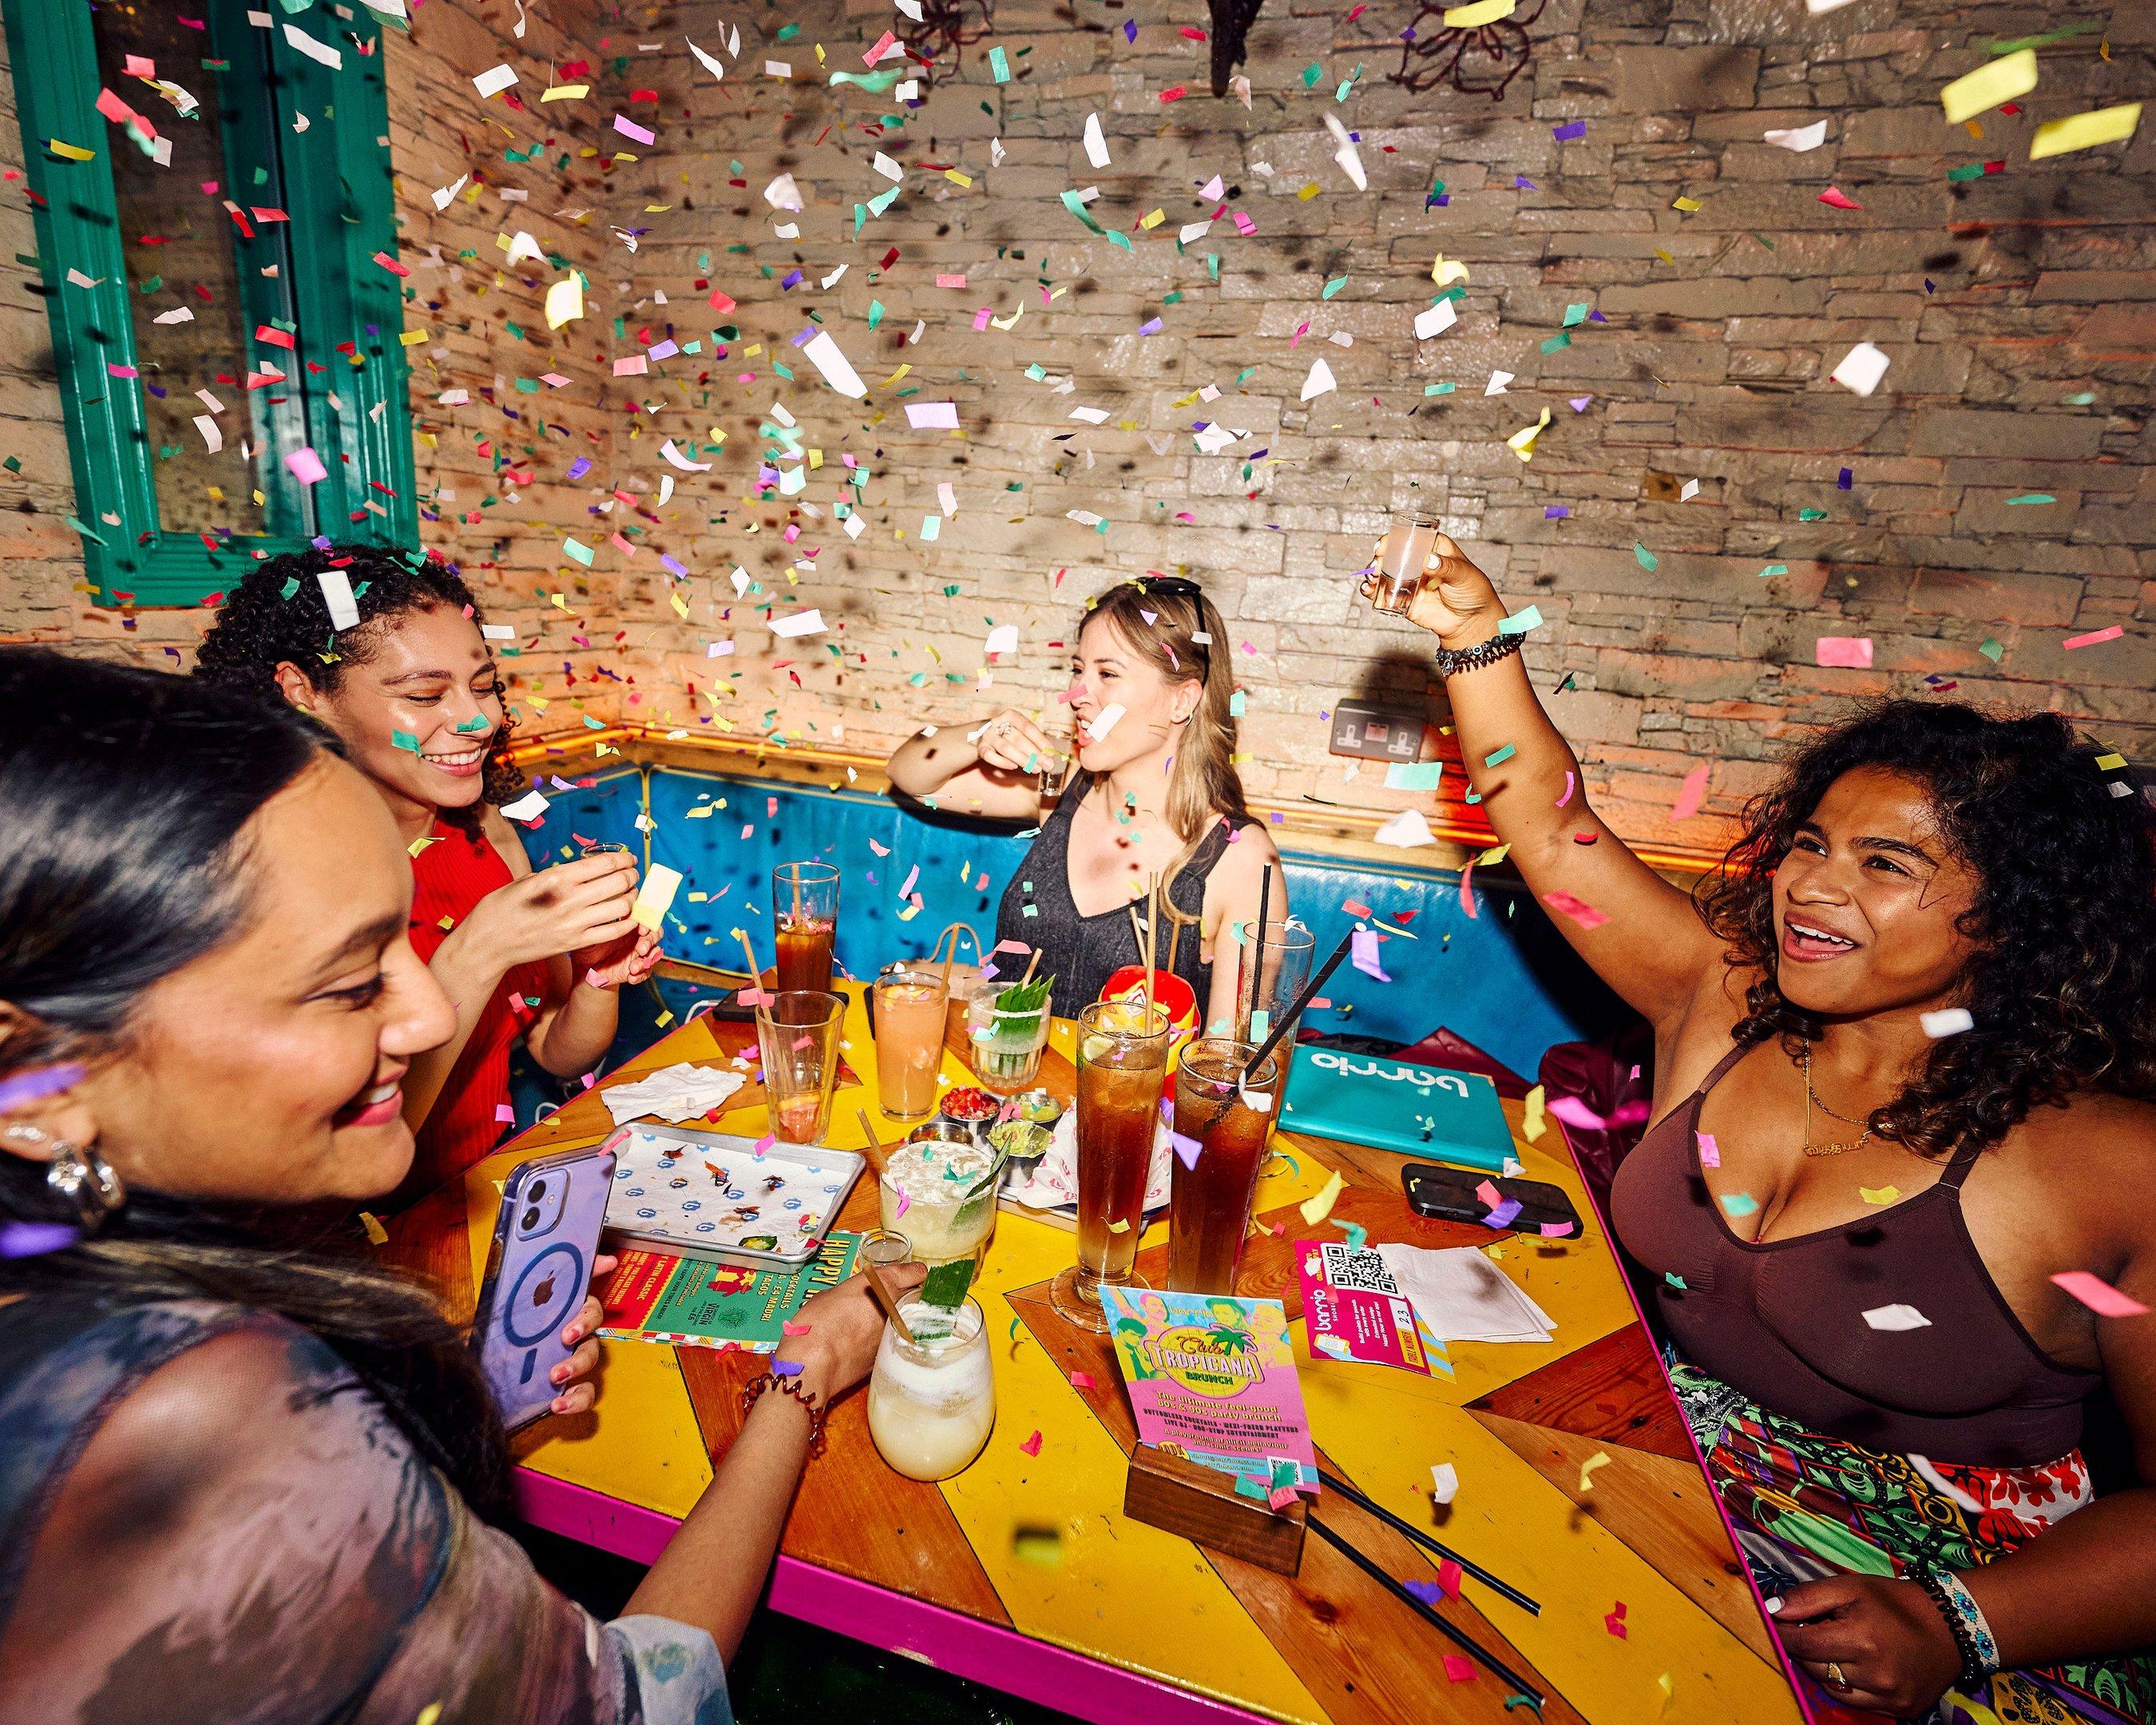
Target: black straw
{"type": "Point", "coordinates": [1473, 1649]}
{"type": "Point", "coordinates": [1258, 947]}
{"type": "Point", "coordinates": [1437, 1546]}
{"type": "Point", "coordinates": [1294, 1011]}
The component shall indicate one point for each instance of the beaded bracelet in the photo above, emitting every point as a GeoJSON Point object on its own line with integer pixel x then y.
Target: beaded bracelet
{"type": "Point", "coordinates": [755, 1388]}
{"type": "Point", "coordinates": [1965, 1621]}
{"type": "Point", "coordinates": [1451, 663]}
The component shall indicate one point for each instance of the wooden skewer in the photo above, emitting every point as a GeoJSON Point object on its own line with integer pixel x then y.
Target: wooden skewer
{"type": "Point", "coordinates": [1153, 938]}
{"type": "Point", "coordinates": [888, 1301]}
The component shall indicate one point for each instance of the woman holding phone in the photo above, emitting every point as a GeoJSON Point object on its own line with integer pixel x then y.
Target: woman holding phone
{"type": "Point", "coordinates": [1897, 1208]}
{"type": "Point", "coordinates": [251, 1475]}
{"type": "Point", "coordinates": [412, 691]}
{"type": "Point", "coordinates": [1155, 794]}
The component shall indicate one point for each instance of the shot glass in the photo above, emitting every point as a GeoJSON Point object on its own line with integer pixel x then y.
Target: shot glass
{"type": "Point", "coordinates": [1405, 554]}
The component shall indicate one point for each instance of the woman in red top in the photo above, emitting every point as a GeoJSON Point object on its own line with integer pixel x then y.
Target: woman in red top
{"type": "Point", "coordinates": [412, 691]}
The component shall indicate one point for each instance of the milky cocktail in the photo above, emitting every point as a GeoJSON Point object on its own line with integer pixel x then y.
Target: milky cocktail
{"type": "Point", "coordinates": [932, 1400]}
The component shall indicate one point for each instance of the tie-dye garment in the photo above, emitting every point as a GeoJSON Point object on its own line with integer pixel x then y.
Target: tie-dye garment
{"type": "Point", "coordinates": [204, 1516]}
{"type": "Point", "coordinates": [1807, 1506]}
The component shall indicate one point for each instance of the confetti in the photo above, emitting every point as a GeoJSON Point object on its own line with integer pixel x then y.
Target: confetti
{"type": "Point", "coordinates": [2098, 1295]}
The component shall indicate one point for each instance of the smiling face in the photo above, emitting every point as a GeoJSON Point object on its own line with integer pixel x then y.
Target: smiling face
{"type": "Point", "coordinates": [268, 1070]}
{"type": "Point", "coordinates": [418, 713]}
{"type": "Point", "coordinates": [1106, 672]}
{"type": "Point", "coordinates": [1868, 902]}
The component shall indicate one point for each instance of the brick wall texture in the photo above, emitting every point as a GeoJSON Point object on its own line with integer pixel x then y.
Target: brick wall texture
{"type": "Point", "coordinates": [2018, 308]}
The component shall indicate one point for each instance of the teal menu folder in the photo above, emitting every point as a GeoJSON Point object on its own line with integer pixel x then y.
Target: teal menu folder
{"type": "Point", "coordinates": [1418, 1111]}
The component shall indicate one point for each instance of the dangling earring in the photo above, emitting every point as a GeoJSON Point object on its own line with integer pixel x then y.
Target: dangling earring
{"type": "Point", "coordinates": [76, 1174]}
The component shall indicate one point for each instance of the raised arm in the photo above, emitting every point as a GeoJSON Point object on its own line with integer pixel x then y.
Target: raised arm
{"type": "Point", "coordinates": [992, 769]}
{"type": "Point", "coordinates": [1646, 940]}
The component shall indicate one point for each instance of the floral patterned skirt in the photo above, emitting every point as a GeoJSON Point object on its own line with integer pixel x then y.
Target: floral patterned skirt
{"type": "Point", "coordinates": [1807, 1506]}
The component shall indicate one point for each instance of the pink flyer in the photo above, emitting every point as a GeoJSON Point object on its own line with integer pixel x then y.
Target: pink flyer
{"type": "Point", "coordinates": [1355, 1310]}
{"type": "Point", "coordinates": [1213, 1378]}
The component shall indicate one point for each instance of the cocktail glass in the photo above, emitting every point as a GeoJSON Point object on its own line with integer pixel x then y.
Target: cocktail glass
{"type": "Point", "coordinates": [1268, 975]}
{"type": "Point", "coordinates": [1210, 1192]}
{"type": "Point", "coordinates": [804, 908]}
{"type": "Point", "coordinates": [932, 1400]}
{"type": "Point", "coordinates": [909, 1041]}
{"type": "Point", "coordinates": [797, 1031]}
{"type": "Point", "coordinates": [1003, 1048]}
{"type": "Point", "coordinates": [940, 1187]}
{"type": "Point", "coordinates": [1122, 1063]}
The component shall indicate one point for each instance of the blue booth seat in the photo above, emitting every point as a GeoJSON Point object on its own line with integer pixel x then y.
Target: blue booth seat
{"type": "Point", "coordinates": [1504, 979]}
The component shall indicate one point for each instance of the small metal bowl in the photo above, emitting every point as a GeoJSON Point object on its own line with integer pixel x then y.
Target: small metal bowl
{"type": "Point", "coordinates": [1039, 1108]}
{"type": "Point", "coordinates": [941, 1131]}
{"type": "Point", "coordinates": [1020, 1140]}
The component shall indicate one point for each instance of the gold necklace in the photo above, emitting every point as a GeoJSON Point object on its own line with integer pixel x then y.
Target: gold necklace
{"type": "Point", "coordinates": [1804, 1065]}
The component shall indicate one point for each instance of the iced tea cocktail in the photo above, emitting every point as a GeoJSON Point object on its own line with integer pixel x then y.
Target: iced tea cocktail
{"type": "Point", "coordinates": [796, 1033]}
{"type": "Point", "coordinates": [804, 909]}
{"type": "Point", "coordinates": [932, 1400]}
{"type": "Point", "coordinates": [909, 1041]}
{"type": "Point", "coordinates": [1210, 1187]}
{"type": "Point", "coordinates": [1405, 554]}
{"type": "Point", "coordinates": [1122, 1065]}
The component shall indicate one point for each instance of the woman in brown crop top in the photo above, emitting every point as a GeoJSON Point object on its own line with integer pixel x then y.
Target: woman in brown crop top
{"type": "Point", "coordinates": [1906, 1080]}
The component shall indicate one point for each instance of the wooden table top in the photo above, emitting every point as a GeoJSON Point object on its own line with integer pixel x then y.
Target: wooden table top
{"type": "Point", "coordinates": [1328, 1646]}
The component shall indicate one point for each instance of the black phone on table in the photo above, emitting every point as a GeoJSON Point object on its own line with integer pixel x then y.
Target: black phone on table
{"type": "Point", "coordinates": [1453, 1194]}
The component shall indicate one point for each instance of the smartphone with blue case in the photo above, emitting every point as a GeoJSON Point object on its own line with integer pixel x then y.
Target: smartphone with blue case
{"type": "Point", "coordinates": [538, 1270]}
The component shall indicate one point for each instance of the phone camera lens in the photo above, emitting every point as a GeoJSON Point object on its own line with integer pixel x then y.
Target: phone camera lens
{"type": "Point", "coordinates": [538, 1190]}
{"type": "Point", "coordinates": [531, 1217]}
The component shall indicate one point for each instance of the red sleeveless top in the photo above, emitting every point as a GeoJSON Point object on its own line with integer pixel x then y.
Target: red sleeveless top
{"type": "Point", "coordinates": [448, 877]}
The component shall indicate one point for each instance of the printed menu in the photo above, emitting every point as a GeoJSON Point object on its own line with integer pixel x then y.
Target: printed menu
{"type": "Point", "coordinates": [1213, 1378]}
{"type": "Point", "coordinates": [691, 1303]}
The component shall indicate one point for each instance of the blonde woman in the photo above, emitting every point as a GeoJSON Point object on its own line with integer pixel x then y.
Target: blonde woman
{"type": "Point", "coordinates": [1155, 793]}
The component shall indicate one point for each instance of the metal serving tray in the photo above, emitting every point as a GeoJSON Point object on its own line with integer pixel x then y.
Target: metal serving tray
{"type": "Point", "coordinates": [698, 1194]}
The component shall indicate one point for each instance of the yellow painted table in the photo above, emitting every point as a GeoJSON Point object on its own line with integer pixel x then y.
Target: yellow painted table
{"type": "Point", "coordinates": [1130, 1623]}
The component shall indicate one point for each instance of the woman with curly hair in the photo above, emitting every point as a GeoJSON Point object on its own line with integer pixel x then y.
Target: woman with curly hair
{"type": "Point", "coordinates": [1905, 1094]}
{"type": "Point", "coordinates": [411, 692]}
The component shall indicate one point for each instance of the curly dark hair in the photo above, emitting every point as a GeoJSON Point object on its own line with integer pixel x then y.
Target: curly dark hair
{"type": "Point", "coordinates": [2062, 981]}
{"type": "Point", "coordinates": [278, 616]}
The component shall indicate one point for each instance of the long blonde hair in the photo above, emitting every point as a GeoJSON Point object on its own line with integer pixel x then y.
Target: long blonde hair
{"type": "Point", "coordinates": [1170, 624]}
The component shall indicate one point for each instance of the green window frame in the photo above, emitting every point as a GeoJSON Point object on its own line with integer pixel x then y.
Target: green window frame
{"type": "Point", "coordinates": [333, 181]}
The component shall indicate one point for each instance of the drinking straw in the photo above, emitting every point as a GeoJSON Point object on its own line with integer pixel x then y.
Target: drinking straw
{"type": "Point", "coordinates": [889, 1302]}
{"type": "Point", "coordinates": [1029, 964]}
{"type": "Point", "coordinates": [882, 1158]}
{"type": "Point", "coordinates": [1258, 947]}
{"type": "Point", "coordinates": [1436, 1547]}
{"type": "Point", "coordinates": [1474, 1649]}
{"type": "Point", "coordinates": [1138, 934]}
{"type": "Point", "coordinates": [1295, 1010]}
{"type": "Point", "coordinates": [755, 971]}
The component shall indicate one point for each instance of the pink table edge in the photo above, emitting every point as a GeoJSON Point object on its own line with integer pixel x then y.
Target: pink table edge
{"type": "Point", "coordinates": [943, 1640]}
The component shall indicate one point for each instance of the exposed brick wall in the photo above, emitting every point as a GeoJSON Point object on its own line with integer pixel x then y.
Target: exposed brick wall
{"type": "Point", "coordinates": [1711, 366]}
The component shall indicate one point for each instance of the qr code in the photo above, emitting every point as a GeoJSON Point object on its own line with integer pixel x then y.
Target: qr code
{"type": "Point", "coordinates": [1357, 1267]}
